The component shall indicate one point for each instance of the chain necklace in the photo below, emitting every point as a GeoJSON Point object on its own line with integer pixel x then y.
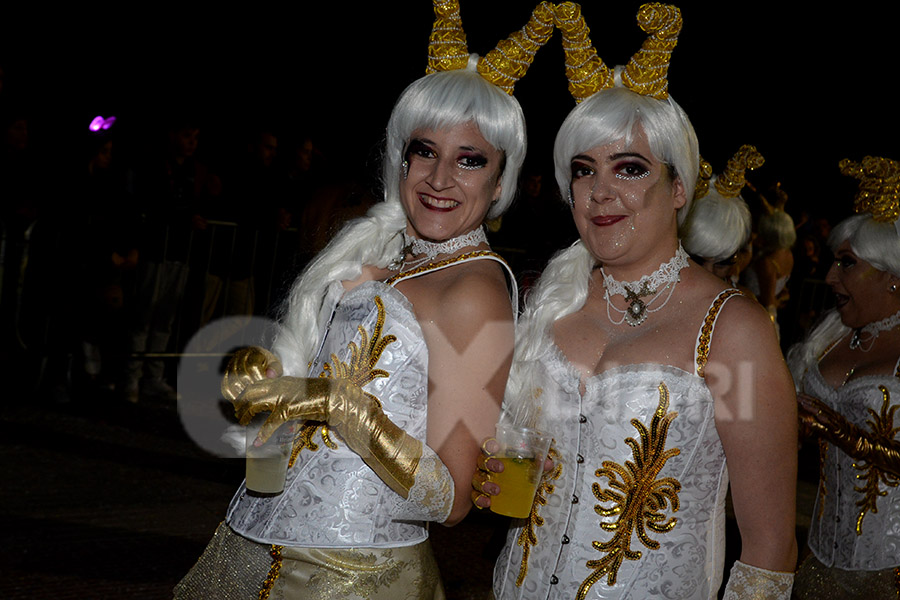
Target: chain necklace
{"type": "Point", "coordinates": [871, 332]}
{"type": "Point", "coordinates": [665, 277]}
{"type": "Point", "coordinates": [431, 250]}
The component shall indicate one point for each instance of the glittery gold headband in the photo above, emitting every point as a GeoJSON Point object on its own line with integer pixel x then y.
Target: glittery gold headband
{"type": "Point", "coordinates": [733, 179]}
{"type": "Point", "coordinates": [879, 187]}
{"type": "Point", "coordinates": [502, 66]}
{"type": "Point", "coordinates": [644, 74]}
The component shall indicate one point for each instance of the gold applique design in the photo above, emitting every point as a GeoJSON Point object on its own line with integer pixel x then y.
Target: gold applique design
{"type": "Point", "coordinates": [274, 571]}
{"type": "Point", "coordinates": [637, 496]}
{"type": "Point", "coordinates": [707, 329]}
{"type": "Point", "coordinates": [360, 370]}
{"type": "Point", "coordinates": [882, 426]}
{"type": "Point", "coordinates": [528, 535]}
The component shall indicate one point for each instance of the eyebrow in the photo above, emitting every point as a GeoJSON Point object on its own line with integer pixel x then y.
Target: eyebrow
{"type": "Point", "coordinates": [613, 157]}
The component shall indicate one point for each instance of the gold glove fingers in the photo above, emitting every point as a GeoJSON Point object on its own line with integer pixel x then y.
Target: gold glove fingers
{"type": "Point", "coordinates": [246, 366]}
{"type": "Point", "coordinates": [287, 398]}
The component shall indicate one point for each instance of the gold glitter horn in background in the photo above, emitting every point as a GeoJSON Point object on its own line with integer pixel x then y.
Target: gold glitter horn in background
{"type": "Point", "coordinates": [646, 72]}
{"type": "Point", "coordinates": [879, 187]}
{"type": "Point", "coordinates": [502, 66]}
{"type": "Point", "coordinates": [734, 177]}
{"type": "Point", "coordinates": [705, 174]}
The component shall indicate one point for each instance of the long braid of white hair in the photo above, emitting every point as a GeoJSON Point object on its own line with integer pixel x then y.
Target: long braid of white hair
{"type": "Point", "coordinates": [374, 240]}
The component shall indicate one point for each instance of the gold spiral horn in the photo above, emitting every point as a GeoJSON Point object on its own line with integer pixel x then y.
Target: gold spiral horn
{"type": "Point", "coordinates": [701, 189]}
{"type": "Point", "coordinates": [447, 48]}
{"type": "Point", "coordinates": [646, 72]}
{"type": "Point", "coordinates": [879, 186]}
{"type": "Point", "coordinates": [732, 180]}
{"type": "Point", "coordinates": [585, 70]}
{"type": "Point", "coordinates": [508, 62]}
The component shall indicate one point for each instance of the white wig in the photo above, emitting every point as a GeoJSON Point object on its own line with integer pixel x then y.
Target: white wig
{"type": "Point", "coordinates": [435, 101]}
{"type": "Point", "coordinates": [775, 230]}
{"type": "Point", "coordinates": [450, 98]}
{"type": "Point", "coordinates": [876, 243]}
{"type": "Point", "coordinates": [717, 226]}
{"type": "Point", "coordinates": [611, 115]}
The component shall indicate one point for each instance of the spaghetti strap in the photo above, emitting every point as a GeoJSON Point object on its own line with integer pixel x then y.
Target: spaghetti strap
{"type": "Point", "coordinates": [469, 256]}
{"type": "Point", "coordinates": [704, 336]}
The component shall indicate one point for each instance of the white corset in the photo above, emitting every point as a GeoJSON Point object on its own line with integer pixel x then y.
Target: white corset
{"type": "Point", "coordinates": [685, 465]}
{"type": "Point", "coordinates": [332, 499]}
{"type": "Point", "coordinates": [849, 491]}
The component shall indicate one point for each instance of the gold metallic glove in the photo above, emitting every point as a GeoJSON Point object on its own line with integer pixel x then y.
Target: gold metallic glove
{"type": "Point", "coordinates": [354, 415]}
{"type": "Point", "coordinates": [247, 366]}
{"type": "Point", "coordinates": [823, 421]}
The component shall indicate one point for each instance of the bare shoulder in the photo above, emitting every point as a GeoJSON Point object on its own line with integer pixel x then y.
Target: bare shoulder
{"type": "Point", "coordinates": [476, 290]}
{"type": "Point", "coordinates": [744, 328]}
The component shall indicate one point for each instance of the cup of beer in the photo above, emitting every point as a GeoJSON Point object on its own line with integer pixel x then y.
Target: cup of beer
{"type": "Point", "coordinates": [522, 451]}
{"type": "Point", "coordinates": [267, 464]}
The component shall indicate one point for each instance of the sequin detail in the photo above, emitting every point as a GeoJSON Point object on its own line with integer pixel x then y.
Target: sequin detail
{"type": "Point", "coordinates": [360, 370]}
{"type": "Point", "coordinates": [882, 426]}
{"type": "Point", "coordinates": [274, 570]}
{"type": "Point", "coordinates": [637, 496]}
{"type": "Point", "coordinates": [528, 535]}
{"type": "Point", "coordinates": [707, 329]}
{"type": "Point", "coordinates": [442, 263]}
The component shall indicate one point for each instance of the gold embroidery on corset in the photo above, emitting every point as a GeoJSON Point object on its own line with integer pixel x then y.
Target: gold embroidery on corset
{"type": "Point", "coordinates": [528, 535]}
{"type": "Point", "coordinates": [882, 428]}
{"type": "Point", "coordinates": [360, 370]}
{"type": "Point", "coordinates": [274, 570]}
{"type": "Point", "coordinates": [637, 495]}
{"type": "Point", "coordinates": [823, 491]}
{"type": "Point", "coordinates": [707, 329]}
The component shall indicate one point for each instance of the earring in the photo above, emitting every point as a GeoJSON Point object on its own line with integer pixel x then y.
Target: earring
{"type": "Point", "coordinates": [404, 168]}
{"type": "Point", "coordinates": [893, 288]}
{"type": "Point", "coordinates": [571, 200]}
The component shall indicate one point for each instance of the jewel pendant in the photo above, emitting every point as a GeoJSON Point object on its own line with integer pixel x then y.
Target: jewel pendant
{"type": "Point", "coordinates": [636, 313]}
{"type": "Point", "coordinates": [854, 341]}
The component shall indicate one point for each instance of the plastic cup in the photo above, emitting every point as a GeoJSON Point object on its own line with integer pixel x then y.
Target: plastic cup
{"type": "Point", "coordinates": [522, 451]}
{"type": "Point", "coordinates": [267, 464]}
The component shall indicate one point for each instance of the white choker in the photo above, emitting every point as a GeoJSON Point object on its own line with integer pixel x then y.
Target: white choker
{"type": "Point", "coordinates": [666, 276]}
{"type": "Point", "coordinates": [871, 332]}
{"type": "Point", "coordinates": [431, 250]}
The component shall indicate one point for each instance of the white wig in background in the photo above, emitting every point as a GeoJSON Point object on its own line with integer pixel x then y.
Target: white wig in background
{"type": "Point", "coordinates": [775, 230]}
{"type": "Point", "coordinates": [611, 115]}
{"type": "Point", "coordinates": [876, 243]}
{"type": "Point", "coordinates": [435, 101]}
{"type": "Point", "coordinates": [717, 226]}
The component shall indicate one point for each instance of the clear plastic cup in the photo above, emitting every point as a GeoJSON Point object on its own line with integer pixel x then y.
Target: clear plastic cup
{"type": "Point", "coordinates": [267, 464]}
{"type": "Point", "coordinates": [522, 451]}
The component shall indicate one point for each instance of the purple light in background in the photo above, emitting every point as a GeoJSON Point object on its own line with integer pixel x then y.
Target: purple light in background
{"type": "Point", "coordinates": [100, 123]}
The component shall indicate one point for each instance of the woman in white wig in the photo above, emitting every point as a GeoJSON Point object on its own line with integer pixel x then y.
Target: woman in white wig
{"type": "Point", "coordinates": [393, 351]}
{"type": "Point", "coordinates": [719, 224]}
{"type": "Point", "coordinates": [648, 371]}
{"type": "Point", "coordinates": [848, 375]}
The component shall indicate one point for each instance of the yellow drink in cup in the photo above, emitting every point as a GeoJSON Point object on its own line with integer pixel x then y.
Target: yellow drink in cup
{"type": "Point", "coordinates": [522, 452]}
{"type": "Point", "coordinates": [267, 464]}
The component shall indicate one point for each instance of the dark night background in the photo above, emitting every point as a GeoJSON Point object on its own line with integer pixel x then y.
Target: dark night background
{"type": "Point", "coordinates": [805, 84]}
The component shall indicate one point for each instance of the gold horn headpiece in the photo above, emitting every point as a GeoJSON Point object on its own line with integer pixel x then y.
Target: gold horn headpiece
{"type": "Point", "coordinates": [502, 66]}
{"type": "Point", "coordinates": [733, 179]}
{"type": "Point", "coordinates": [701, 189]}
{"type": "Point", "coordinates": [879, 187]}
{"type": "Point", "coordinates": [646, 72]}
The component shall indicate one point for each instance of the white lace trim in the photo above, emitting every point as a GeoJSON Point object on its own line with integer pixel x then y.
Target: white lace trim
{"type": "Point", "coordinates": [431, 250]}
{"type": "Point", "coordinates": [431, 496]}
{"type": "Point", "coordinates": [747, 582]}
{"type": "Point", "coordinates": [666, 274]}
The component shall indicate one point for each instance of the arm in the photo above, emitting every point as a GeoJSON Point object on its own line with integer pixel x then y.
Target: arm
{"type": "Point", "coordinates": [470, 345]}
{"type": "Point", "coordinates": [824, 422]}
{"type": "Point", "coordinates": [756, 417]}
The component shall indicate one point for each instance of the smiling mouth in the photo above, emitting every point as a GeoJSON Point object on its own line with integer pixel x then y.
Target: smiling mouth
{"type": "Point", "coordinates": [441, 204]}
{"type": "Point", "coordinates": [841, 300]}
{"type": "Point", "coordinates": [606, 220]}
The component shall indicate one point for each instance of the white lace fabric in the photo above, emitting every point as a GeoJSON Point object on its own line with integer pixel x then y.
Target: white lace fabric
{"type": "Point", "coordinates": [431, 496]}
{"type": "Point", "coordinates": [747, 582]}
